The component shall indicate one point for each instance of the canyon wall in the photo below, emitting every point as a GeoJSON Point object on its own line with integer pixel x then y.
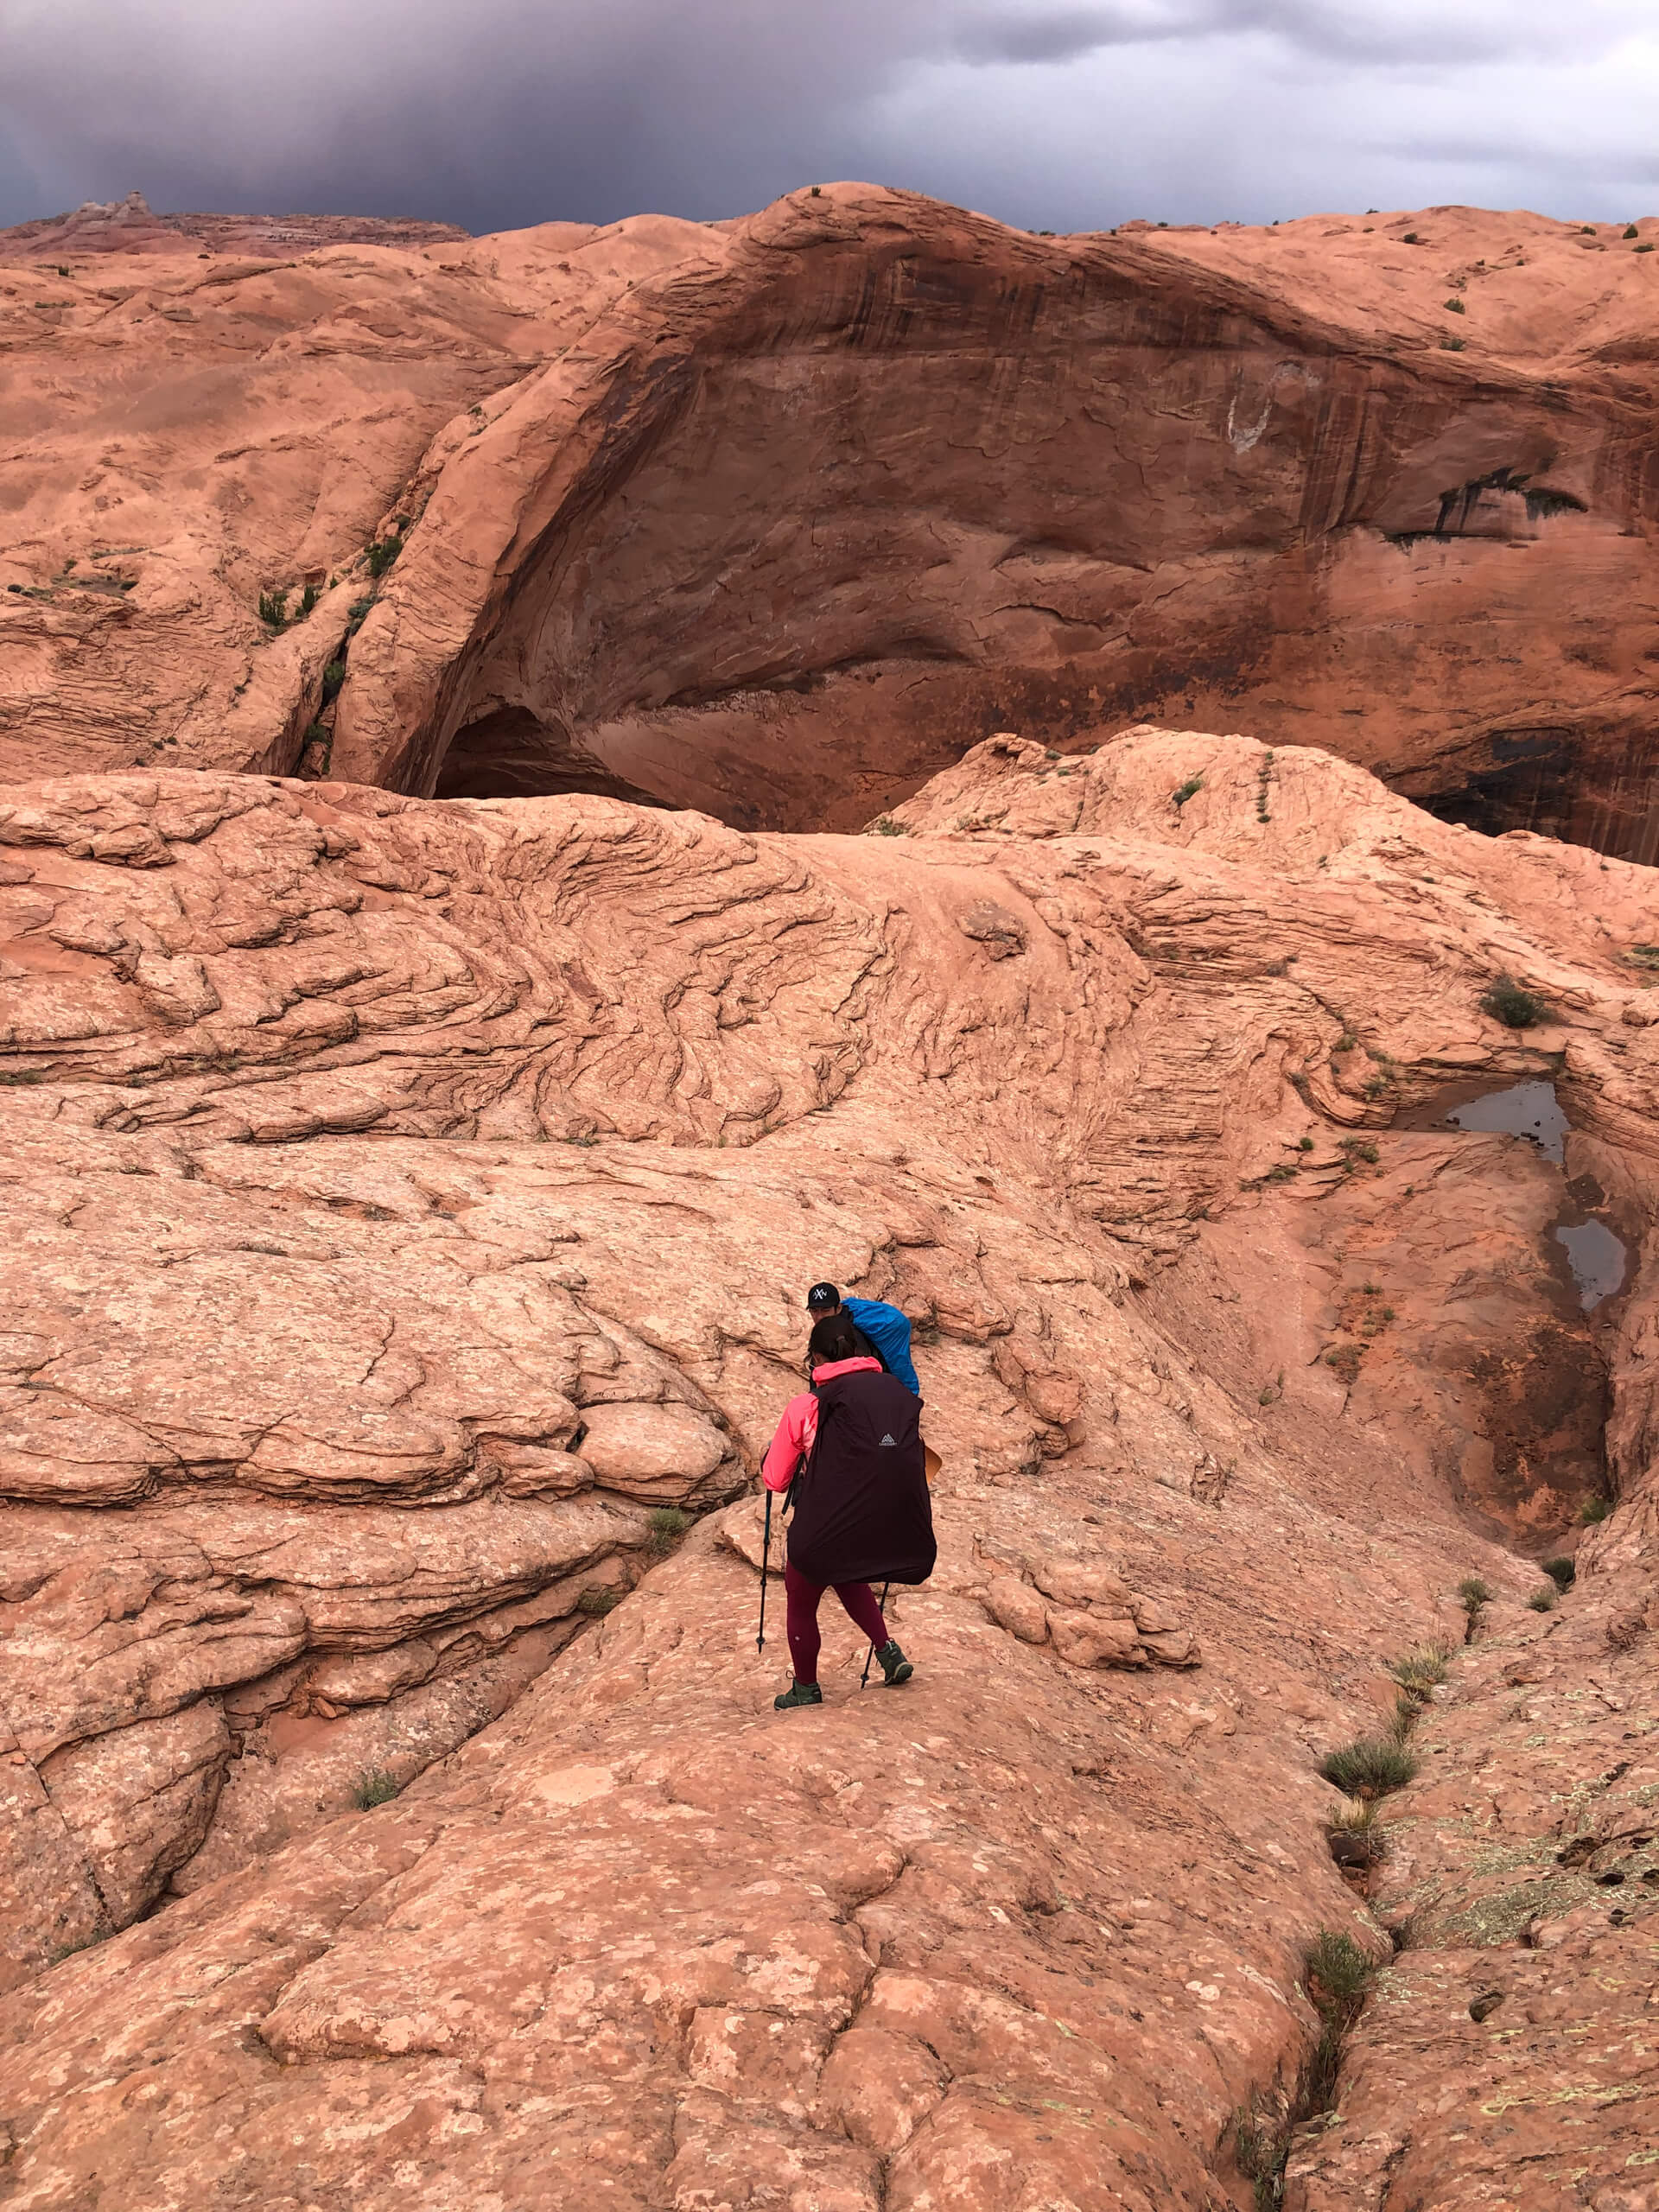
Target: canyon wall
{"type": "Point", "coordinates": [777, 518]}
{"type": "Point", "coordinates": [411, 1206]}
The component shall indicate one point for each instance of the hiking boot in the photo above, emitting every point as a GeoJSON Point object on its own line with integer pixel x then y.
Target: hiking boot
{"type": "Point", "coordinates": [799, 1693]}
{"type": "Point", "coordinates": [894, 1665]}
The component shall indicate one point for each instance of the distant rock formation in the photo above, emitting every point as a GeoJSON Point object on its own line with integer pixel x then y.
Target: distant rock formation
{"type": "Point", "coordinates": [130, 225]}
{"type": "Point", "coordinates": [776, 517]}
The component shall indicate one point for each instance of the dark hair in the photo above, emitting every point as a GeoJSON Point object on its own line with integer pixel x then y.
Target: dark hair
{"type": "Point", "coordinates": [832, 1338]}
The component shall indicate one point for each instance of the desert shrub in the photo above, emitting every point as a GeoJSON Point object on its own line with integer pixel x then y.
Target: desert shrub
{"type": "Point", "coordinates": [1182, 793]}
{"type": "Point", "coordinates": [1371, 1766]}
{"type": "Point", "coordinates": [1422, 1669]}
{"type": "Point", "coordinates": [273, 609]}
{"type": "Point", "coordinates": [1644, 249]}
{"type": "Point", "coordinates": [1337, 1971]}
{"type": "Point", "coordinates": [1347, 1042]}
{"type": "Point", "coordinates": [1515, 1008]}
{"type": "Point", "coordinates": [598, 1599]}
{"type": "Point", "coordinates": [1261, 2146]}
{"type": "Point", "coordinates": [1343, 1361]}
{"type": "Point", "coordinates": [1561, 1572]}
{"type": "Point", "coordinates": [1455, 307]}
{"type": "Point", "coordinates": [885, 826]}
{"type": "Point", "coordinates": [1452, 345]}
{"type": "Point", "coordinates": [1409, 238]}
{"type": "Point", "coordinates": [818, 192]}
{"type": "Point", "coordinates": [1473, 1594]}
{"type": "Point", "coordinates": [1304, 1144]}
{"type": "Point", "coordinates": [1356, 1835]}
{"type": "Point", "coordinates": [333, 676]}
{"type": "Point", "coordinates": [381, 553]}
{"type": "Point", "coordinates": [1643, 956]}
{"type": "Point", "coordinates": [667, 1522]}
{"type": "Point", "coordinates": [1629, 230]}
{"type": "Point", "coordinates": [1544, 1601]}
{"type": "Point", "coordinates": [374, 1787]}
{"type": "Point", "coordinates": [1594, 1508]}
{"type": "Point", "coordinates": [1338, 1974]}
{"type": "Point", "coordinates": [308, 599]}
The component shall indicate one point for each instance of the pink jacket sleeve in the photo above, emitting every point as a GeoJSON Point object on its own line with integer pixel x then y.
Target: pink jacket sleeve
{"type": "Point", "coordinates": [796, 1432]}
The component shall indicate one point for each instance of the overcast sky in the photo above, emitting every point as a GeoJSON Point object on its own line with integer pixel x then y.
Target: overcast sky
{"type": "Point", "coordinates": [1058, 114]}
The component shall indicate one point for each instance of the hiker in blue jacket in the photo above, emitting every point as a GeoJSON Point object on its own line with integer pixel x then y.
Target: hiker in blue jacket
{"type": "Point", "coordinates": [883, 1327]}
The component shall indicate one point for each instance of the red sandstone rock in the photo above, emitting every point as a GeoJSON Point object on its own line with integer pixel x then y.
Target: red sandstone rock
{"type": "Point", "coordinates": [777, 518]}
{"type": "Point", "coordinates": [403, 1196]}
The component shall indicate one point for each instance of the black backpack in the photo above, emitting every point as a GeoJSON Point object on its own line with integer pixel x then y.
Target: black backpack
{"type": "Point", "coordinates": [862, 1512]}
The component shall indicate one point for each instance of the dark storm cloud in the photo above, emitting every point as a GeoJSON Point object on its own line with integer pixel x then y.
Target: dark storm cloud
{"type": "Point", "coordinates": [491, 113]}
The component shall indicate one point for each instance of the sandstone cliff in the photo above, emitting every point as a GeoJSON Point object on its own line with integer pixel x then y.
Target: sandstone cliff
{"type": "Point", "coordinates": [409, 1205]}
{"type": "Point", "coordinates": [777, 518]}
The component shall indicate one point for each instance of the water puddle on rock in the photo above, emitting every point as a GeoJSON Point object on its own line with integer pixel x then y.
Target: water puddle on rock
{"type": "Point", "coordinates": [1597, 1257]}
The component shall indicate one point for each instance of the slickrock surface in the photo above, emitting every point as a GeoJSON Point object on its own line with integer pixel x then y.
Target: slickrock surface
{"type": "Point", "coordinates": [777, 516]}
{"type": "Point", "coordinates": [408, 1198]}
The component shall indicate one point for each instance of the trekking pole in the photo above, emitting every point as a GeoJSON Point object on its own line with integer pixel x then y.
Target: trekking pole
{"type": "Point", "coordinates": [766, 1555]}
{"type": "Point", "coordinates": [870, 1653]}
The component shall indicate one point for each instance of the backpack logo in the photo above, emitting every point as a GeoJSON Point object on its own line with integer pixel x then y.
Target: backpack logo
{"type": "Point", "coordinates": [890, 1439]}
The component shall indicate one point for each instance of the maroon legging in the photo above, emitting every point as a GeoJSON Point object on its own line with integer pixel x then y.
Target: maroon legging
{"type": "Point", "coordinates": [802, 1618]}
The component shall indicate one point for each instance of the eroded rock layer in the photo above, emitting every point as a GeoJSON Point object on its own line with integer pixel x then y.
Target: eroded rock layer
{"type": "Point", "coordinates": [776, 517]}
{"type": "Point", "coordinates": [410, 1204]}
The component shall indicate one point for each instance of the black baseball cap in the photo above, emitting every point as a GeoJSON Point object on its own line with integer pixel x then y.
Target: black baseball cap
{"type": "Point", "coordinates": [822, 1298]}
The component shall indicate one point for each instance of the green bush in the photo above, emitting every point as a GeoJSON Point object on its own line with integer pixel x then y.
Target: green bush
{"type": "Point", "coordinates": [1644, 249]}
{"type": "Point", "coordinates": [1455, 307]}
{"type": "Point", "coordinates": [1544, 1601]}
{"type": "Point", "coordinates": [1337, 1971]}
{"type": "Point", "coordinates": [1370, 1767]}
{"type": "Point", "coordinates": [1182, 793]}
{"type": "Point", "coordinates": [598, 1599]}
{"type": "Point", "coordinates": [666, 1522]}
{"type": "Point", "coordinates": [1473, 1593]}
{"type": "Point", "coordinates": [885, 826]}
{"type": "Point", "coordinates": [1410, 238]}
{"type": "Point", "coordinates": [308, 599]}
{"type": "Point", "coordinates": [1629, 230]}
{"type": "Point", "coordinates": [1561, 1572]}
{"type": "Point", "coordinates": [333, 676]}
{"type": "Point", "coordinates": [1450, 345]}
{"type": "Point", "coordinates": [1515, 1008]}
{"type": "Point", "coordinates": [1594, 1509]}
{"type": "Point", "coordinates": [273, 609]}
{"type": "Point", "coordinates": [377, 1787]}
{"type": "Point", "coordinates": [382, 553]}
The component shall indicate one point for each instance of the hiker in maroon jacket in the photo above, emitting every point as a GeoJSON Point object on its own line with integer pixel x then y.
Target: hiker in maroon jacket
{"type": "Point", "coordinates": [852, 1448]}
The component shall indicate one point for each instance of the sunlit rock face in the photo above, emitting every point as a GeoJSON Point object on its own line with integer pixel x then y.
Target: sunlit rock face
{"type": "Point", "coordinates": [777, 518]}
{"type": "Point", "coordinates": [409, 1205]}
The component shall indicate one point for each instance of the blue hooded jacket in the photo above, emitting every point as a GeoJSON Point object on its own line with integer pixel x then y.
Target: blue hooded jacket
{"type": "Point", "coordinates": [889, 1331]}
